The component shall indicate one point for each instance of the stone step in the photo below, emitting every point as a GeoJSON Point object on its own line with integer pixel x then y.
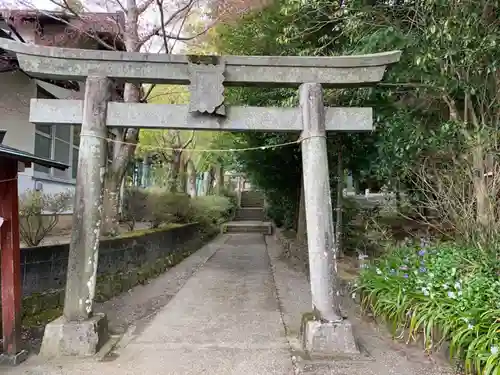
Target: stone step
{"type": "Point", "coordinates": [248, 227]}
{"type": "Point", "coordinates": [252, 199]}
{"type": "Point", "coordinates": [250, 213]}
{"type": "Point", "coordinates": [252, 204]}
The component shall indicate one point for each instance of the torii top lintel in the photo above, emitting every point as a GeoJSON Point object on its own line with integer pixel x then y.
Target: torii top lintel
{"type": "Point", "coordinates": [274, 71]}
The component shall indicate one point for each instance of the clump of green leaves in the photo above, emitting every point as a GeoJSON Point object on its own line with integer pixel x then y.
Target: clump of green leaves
{"type": "Point", "coordinates": [160, 207]}
{"type": "Point", "coordinates": [135, 204]}
{"type": "Point", "coordinates": [166, 207]}
{"type": "Point", "coordinates": [211, 210]}
{"type": "Point", "coordinates": [39, 214]}
{"type": "Point", "coordinates": [443, 291]}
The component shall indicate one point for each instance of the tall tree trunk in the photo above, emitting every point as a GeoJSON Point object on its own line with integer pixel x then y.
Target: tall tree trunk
{"type": "Point", "coordinates": [175, 168]}
{"type": "Point", "coordinates": [484, 216]}
{"type": "Point", "coordinates": [301, 236]}
{"type": "Point", "coordinates": [191, 179]}
{"type": "Point", "coordinates": [183, 178]}
{"type": "Point", "coordinates": [121, 154]}
{"type": "Point", "coordinates": [211, 186]}
{"type": "Point", "coordinates": [219, 179]}
{"type": "Point", "coordinates": [207, 180]}
{"type": "Point", "coordinates": [479, 158]}
{"type": "Point", "coordinates": [176, 163]}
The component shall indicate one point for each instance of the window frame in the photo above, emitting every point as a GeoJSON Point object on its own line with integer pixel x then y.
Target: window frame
{"type": "Point", "coordinates": [52, 174]}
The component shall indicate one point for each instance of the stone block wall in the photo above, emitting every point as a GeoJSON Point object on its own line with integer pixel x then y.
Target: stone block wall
{"type": "Point", "coordinates": [43, 269]}
{"type": "Point", "coordinates": [123, 263]}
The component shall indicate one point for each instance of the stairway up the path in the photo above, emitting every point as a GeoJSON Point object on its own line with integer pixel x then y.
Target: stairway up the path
{"type": "Point", "coordinates": [250, 216]}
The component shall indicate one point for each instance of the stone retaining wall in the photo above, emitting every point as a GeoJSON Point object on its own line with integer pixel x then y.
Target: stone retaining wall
{"type": "Point", "coordinates": [123, 263]}
{"type": "Point", "coordinates": [44, 268]}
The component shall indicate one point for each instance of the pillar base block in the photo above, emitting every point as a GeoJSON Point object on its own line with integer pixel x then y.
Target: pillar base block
{"type": "Point", "coordinates": [79, 339]}
{"type": "Point", "coordinates": [329, 340]}
{"type": "Point", "coordinates": [13, 359]}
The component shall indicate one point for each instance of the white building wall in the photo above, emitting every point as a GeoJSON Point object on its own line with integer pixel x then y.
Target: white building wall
{"type": "Point", "coordinates": [16, 90]}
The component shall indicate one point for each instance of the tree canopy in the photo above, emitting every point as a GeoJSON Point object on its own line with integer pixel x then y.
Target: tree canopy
{"type": "Point", "coordinates": [441, 95]}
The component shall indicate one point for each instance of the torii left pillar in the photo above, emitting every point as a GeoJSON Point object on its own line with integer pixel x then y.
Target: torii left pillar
{"type": "Point", "coordinates": [81, 332]}
{"type": "Point", "coordinates": [10, 264]}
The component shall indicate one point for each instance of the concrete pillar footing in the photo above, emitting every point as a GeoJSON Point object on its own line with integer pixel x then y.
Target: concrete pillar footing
{"type": "Point", "coordinates": [79, 338]}
{"type": "Point", "coordinates": [329, 339]}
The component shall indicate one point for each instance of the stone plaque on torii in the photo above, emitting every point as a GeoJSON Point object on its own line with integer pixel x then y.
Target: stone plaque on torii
{"type": "Point", "coordinates": [327, 333]}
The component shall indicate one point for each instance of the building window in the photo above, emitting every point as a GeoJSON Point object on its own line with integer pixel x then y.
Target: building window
{"type": "Point", "coordinates": [57, 142]}
{"type": "Point", "coordinates": [60, 143]}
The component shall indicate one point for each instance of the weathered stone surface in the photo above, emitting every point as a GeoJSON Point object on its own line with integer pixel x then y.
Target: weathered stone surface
{"type": "Point", "coordinates": [250, 214]}
{"type": "Point", "coordinates": [320, 240]}
{"type": "Point", "coordinates": [43, 269]}
{"type": "Point", "coordinates": [277, 71]}
{"type": "Point", "coordinates": [173, 116]}
{"type": "Point", "coordinates": [207, 88]}
{"type": "Point", "coordinates": [322, 339]}
{"type": "Point", "coordinates": [13, 360]}
{"type": "Point", "coordinates": [82, 339]}
{"type": "Point", "coordinates": [247, 227]}
{"type": "Point", "coordinates": [84, 245]}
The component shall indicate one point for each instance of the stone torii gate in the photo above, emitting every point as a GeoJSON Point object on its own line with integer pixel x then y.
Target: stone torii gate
{"type": "Point", "coordinates": [79, 331]}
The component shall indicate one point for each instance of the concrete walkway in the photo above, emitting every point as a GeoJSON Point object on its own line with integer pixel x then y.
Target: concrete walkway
{"type": "Point", "coordinates": [225, 320]}
{"type": "Point", "coordinates": [238, 314]}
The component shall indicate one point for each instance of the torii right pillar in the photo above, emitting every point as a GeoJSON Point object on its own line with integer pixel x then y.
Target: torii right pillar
{"type": "Point", "coordinates": [325, 331]}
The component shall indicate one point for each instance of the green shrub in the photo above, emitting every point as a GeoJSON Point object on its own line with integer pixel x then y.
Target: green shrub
{"type": "Point", "coordinates": [280, 209]}
{"type": "Point", "coordinates": [135, 206]}
{"type": "Point", "coordinates": [230, 194]}
{"type": "Point", "coordinates": [362, 233]}
{"type": "Point", "coordinates": [158, 207]}
{"type": "Point", "coordinates": [39, 214]}
{"type": "Point", "coordinates": [211, 210]}
{"type": "Point", "coordinates": [445, 288]}
{"type": "Point", "coordinates": [166, 207]}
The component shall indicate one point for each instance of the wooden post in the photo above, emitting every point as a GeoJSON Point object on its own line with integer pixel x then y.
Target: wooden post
{"type": "Point", "coordinates": [319, 219]}
{"type": "Point", "coordinates": [11, 258]}
{"type": "Point", "coordinates": [84, 246]}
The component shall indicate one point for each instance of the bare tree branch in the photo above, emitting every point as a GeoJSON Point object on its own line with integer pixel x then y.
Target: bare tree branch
{"type": "Point", "coordinates": [145, 97]}
{"type": "Point", "coordinates": [162, 24]}
{"type": "Point", "coordinates": [155, 31]}
{"type": "Point", "coordinates": [189, 141]}
{"type": "Point", "coordinates": [141, 9]}
{"type": "Point", "coordinates": [65, 6]}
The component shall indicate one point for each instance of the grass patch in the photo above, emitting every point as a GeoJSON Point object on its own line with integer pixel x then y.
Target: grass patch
{"type": "Point", "coordinates": [142, 232]}
{"type": "Point", "coordinates": [443, 292]}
